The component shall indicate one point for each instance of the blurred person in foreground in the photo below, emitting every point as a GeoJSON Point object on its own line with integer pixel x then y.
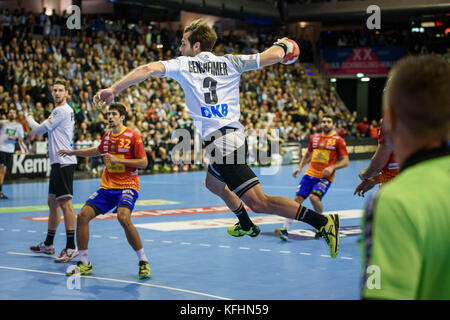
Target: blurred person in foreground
{"type": "Point", "coordinates": [406, 243]}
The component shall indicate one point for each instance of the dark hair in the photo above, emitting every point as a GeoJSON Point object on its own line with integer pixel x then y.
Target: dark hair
{"type": "Point", "coordinates": [328, 115]}
{"type": "Point", "coordinates": [119, 107]}
{"type": "Point", "coordinates": [201, 32]}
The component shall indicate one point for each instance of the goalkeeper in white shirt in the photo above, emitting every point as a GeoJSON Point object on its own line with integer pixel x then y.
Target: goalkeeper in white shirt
{"type": "Point", "coordinates": [211, 87]}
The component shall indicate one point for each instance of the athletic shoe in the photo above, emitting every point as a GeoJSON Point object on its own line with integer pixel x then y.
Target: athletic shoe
{"type": "Point", "coordinates": [79, 269]}
{"type": "Point", "coordinates": [237, 231]}
{"type": "Point", "coordinates": [155, 168]}
{"type": "Point", "coordinates": [42, 248]}
{"type": "Point", "coordinates": [330, 232]}
{"type": "Point", "coordinates": [282, 233]}
{"type": "Point", "coordinates": [67, 255]}
{"type": "Point", "coordinates": [175, 168]}
{"type": "Point", "coordinates": [185, 167]}
{"type": "Point", "coordinates": [166, 169]}
{"type": "Point", "coordinates": [144, 270]}
{"type": "Point", "coordinates": [2, 196]}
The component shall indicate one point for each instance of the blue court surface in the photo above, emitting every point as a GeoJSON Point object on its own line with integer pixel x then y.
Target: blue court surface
{"type": "Point", "coordinates": [183, 230]}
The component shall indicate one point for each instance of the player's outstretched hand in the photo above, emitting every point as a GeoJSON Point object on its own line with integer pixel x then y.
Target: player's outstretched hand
{"type": "Point", "coordinates": [104, 97]}
{"type": "Point", "coordinates": [363, 187]}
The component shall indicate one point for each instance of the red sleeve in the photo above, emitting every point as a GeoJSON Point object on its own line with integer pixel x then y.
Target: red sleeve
{"type": "Point", "coordinates": [139, 149]}
{"type": "Point", "coordinates": [102, 143]}
{"type": "Point", "coordinates": [310, 148]}
{"type": "Point", "coordinates": [341, 148]}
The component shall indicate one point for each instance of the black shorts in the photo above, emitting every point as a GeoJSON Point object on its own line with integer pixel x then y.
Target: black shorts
{"type": "Point", "coordinates": [61, 180]}
{"type": "Point", "coordinates": [238, 176]}
{"type": "Point", "coordinates": [5, 159]}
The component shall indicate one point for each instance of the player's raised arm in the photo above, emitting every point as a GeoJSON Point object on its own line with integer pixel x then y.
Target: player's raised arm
{"type": "Point", "coordinates": [284, 51]}
{"type": "Point", "coordinates": [139, 74]}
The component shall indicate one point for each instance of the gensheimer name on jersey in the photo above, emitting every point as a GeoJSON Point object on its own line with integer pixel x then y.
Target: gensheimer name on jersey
{"type": "Point", "coordinates": [211, 87]}
{"type": "Point", "coordinates": [60, 125]}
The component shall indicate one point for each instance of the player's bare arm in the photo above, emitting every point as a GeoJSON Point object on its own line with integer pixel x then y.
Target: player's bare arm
{"type": "Point", "coordinates": [305, 159]}
{"type": "Point", "coordinates": [378, 161]}
{"type": "Point", "coordinates": [90, 152]}
{"type": "Point", "coordinates": [139, 74]}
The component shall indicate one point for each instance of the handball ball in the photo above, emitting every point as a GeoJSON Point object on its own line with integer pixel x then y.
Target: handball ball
{"type": "Point", "coordinates": [292, 53]}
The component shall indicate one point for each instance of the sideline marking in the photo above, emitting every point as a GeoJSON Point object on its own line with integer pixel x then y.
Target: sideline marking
{"type": "Point", "coordinates": [120, 281]}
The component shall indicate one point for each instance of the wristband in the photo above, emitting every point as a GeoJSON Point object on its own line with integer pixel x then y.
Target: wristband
{"type": "Point", "coordinates": [282, 45]}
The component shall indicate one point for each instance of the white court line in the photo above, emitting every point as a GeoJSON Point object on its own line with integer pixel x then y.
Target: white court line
{"type": "Point", "coordinates": [244, 248]}
{"type": "Point", "coordinates": [33, 255]}
{"type": "Point", "coordinates": [265, 250]}
{"type": "Point", "coordinates": [120, 281]}
{"type": "Point", "coordinates": [227, 247]}
{"type": "Point", "coordinates": [305, 253]}
{"type": "Point", "coordinates": [285, 252]}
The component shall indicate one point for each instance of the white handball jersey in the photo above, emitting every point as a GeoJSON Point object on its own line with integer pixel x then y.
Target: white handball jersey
{"type": "Point", "coordinates": [8, 128]}
{"type": "Point", "coordinates": [60, 126]}
{"type": "Point", "coordinates": [211, 87]}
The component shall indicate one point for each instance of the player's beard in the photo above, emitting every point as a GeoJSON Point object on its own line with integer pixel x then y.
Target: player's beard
{"type": "Point", "coordinates": [326, 130]}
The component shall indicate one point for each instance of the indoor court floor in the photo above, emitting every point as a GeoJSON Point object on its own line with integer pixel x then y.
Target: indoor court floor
{"type": "Point", "coordinates": [183, 230]}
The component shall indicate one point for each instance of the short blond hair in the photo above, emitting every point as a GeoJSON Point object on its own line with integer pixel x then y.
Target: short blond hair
{"type": "Point", "coordinates": [201, 32]}
{"type": "Point", "coordinates": [418, 92]}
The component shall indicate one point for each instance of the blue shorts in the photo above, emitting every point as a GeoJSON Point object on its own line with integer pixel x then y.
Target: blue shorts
{"type": "Point", "coordinates": [310, 185]}
{"type": "Point", "coordinates": [104, 200]}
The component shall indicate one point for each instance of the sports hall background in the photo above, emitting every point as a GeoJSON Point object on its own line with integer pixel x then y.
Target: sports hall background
{"type": "Point", "coordinates": [341, 70]}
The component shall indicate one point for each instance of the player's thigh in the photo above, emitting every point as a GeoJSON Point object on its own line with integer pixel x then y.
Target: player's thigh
{"type": "Point", "coordinates": [238, 177]}
{"type": "Point", "coordinates": [320, 188]}
{"type": "Point", "coordinates": [214, 182]}
{"type": "Point", "coordinates": [305, 187]}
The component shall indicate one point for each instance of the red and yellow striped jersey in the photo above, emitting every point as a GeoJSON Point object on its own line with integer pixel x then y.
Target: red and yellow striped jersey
{"type": "Point", "coordinates": [128, 145]}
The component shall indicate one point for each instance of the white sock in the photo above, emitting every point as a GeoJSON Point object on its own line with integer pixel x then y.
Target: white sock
{"type": "Point", "coordinates": [84, 257]}
{"type": "Point", "coordinates": [287, 223]}
{"type": "Point", "coordinates": [141, 255]}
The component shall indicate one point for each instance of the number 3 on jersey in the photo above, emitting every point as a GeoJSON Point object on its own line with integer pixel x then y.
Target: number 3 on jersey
{"type": "Point", "coordinates": [220, 110]}
{"type": "Point", "coordinates": [211, 96]}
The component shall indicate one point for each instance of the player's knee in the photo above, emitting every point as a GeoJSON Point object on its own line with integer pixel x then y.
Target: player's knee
{"type": "Point", "coordinates": [124, 218]}
{"type": "Point", "coordinates": [83, 217]}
